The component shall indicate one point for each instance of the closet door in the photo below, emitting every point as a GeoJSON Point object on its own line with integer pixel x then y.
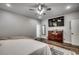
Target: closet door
{"type": "Point", "coordinates": [75, 32]}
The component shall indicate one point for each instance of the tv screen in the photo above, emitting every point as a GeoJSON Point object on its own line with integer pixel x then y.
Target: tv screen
{"type": "Point", "coordinates": [58, 21]}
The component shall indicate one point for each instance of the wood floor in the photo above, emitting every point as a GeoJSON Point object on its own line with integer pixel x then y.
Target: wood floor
{"type": "Point", "coordinates": [65, 45]}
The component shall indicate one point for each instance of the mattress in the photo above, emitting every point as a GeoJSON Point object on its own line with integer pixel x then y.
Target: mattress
{"type": "Point", "coordinates": [23, 47]}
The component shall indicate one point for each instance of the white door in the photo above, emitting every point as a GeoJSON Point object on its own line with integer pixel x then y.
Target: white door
{"type": "Point", "coordinates": [75, 32]}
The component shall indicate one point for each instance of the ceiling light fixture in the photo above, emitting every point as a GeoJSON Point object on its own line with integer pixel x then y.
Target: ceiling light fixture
{"type": "Point", "coordinates": [40, 9]}
{"type": "Point", "coordinates": [68, 7]}
{"type": "Point", "coordinates": [8, 5]}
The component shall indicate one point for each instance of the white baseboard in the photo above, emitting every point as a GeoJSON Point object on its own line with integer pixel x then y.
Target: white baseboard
{"type": "Point", "coordinates": [67, 42]}
{"type": "Point", "coordinates": [75, 44]}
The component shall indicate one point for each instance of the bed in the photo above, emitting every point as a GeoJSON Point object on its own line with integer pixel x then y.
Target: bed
{"type": "Point", "coordinates": [23, 46]}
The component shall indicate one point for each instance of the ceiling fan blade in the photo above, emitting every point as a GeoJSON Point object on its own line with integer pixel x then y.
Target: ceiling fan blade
{"type": "Point", "coordinates": [31, 9]}
{"type": "Point", "coordinates": [44, 13]}
{"type": "Point", "coordinates": [49, 9]}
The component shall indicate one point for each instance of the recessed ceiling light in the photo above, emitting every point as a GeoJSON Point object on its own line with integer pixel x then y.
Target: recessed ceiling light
{"type": "Point", "coordinates": [68, 7]}
{"type": "Point", "coordinates": [8, 5]}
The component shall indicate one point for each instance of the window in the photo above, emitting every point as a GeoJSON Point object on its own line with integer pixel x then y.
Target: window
{"type": "Point", "coordinates": [44, 29]}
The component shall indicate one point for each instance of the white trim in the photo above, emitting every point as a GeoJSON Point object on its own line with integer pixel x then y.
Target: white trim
{"type": "Point", "coordinates": [67, 42]}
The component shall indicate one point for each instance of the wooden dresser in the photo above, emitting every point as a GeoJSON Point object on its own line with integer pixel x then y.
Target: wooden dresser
{"type": "Point", "coordinates": [55, 36]}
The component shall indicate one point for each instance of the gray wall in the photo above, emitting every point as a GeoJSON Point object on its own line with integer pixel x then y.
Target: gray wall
{"type": "Point", "coordinates": [14, 24]}
{"type": "Point", "coordinates": [66, 28]}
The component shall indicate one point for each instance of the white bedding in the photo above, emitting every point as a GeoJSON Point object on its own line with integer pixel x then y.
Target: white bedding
{"type": "Point", "coordinates": [23, 47]}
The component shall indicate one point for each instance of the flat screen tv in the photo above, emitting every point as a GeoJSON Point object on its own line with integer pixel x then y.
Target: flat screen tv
{"type": "Point", "coordinates": [54, 22]}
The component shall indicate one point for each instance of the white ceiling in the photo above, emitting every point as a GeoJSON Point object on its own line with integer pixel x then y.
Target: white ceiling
{"type": "Point", "coordinates": [57, 9]}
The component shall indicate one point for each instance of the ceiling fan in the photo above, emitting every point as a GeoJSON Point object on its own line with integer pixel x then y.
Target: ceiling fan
{"type": "Point", "coordinates": [40, 9]}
